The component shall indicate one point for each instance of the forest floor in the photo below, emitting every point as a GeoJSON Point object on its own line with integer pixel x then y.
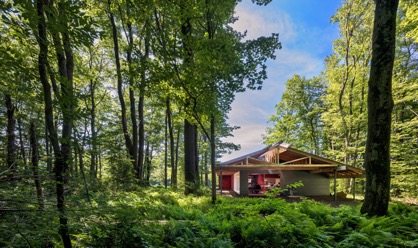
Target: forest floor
{"type": "Point", "coordinates": [155, 217]}
{"type": "Point", "coordinates": [328, 200]}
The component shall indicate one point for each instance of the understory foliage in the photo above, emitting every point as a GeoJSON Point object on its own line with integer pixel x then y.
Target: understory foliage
{"type": "Point", "coordinates": [157, 217]}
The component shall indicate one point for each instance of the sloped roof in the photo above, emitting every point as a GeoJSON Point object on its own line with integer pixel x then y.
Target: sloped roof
{"type": "Point", "coordinates": [288, 158]}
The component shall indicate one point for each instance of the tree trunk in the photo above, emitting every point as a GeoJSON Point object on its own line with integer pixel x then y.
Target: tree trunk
{"type": "Point", "coordinates": [213, 157]}
{"type": "Point", "coordinates": [171, 136]}
{"type": "Point", "coordinates": [60, 157]}
{"type": "Point", "coordinates": [141, 141]}
{"type": "Point", "coordinates": [141, 133]}
{"type": "Point", "coordinates": [48, 151]}
{"type": "Point", "coordinates": [147, 167]}
{"type": "Point", "coordinates": [11, 148]}
{"type": "Point", "coordinates": [380, 105]}
{"type": "Point", "coordinates": [134, 148]}
{"type": "Point", "coordinates": [205, 161]}
{"type": "Point", "coordinates": [22, 144]}
{"type": "Point", "coordinates": [191, 176]}
{"type": "Point", "coordinates": [128, 142]}
{"type": "Point", "coordinates": [93, 153]}
{"type": "Point", "coordinates": [176, 163]}
{"type": "Point", "coordinates": [196, 155]}
{"type": "Point", "coordinates": [35, 161]}
{"type": "Point", "coordinates": [166, 151]}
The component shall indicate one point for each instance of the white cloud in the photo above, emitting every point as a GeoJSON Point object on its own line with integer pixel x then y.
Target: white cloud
{"type": "Point", "coordinates": [249, 138]}
{"type": "Point", "coordinates": [262, 21]}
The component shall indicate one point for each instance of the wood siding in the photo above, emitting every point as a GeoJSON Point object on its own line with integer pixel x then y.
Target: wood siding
{"type": "Point", "coordinates": [314, 184]}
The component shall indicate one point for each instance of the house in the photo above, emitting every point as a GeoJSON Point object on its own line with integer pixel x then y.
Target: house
{"type": "Point", "coordinates": [279, 165]}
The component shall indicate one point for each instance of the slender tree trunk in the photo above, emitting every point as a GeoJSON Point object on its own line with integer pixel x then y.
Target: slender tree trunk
{"type": "Point", "coordinates": [35, 162]}
{"type": "Point", "coordinates": [141, 140]}
{"type": "Point", "coordinates": [380, 105]}
{"type": "Point", "coordinates": [144, 70]}
{"type": "Point", "coordinates": [171, 136]}
{"type": "Point", "coordinates": [134, 148]}
{"type": "Point", "coordinates": [196, 155]}
{"type": "Point", "coordinates": [100, 163]}
{"type": "Point", "coordinates": [48, 151]}
{"type": "Point", "coordinates": [93, 154]}
{"type": "Point", "coordinates": [11, 137]}
{"type": "Point", "coordinates": [22, 144]}
{"type": "Point", "coordinates": [166, 151]}
{"type": "Point", "coordinates": [205, 161]}
{"type": "Point", "coordinates": [147, 167]}
{"type": "Point", "coordinates": [75, 160]}
{"type": "Point", "coordinates": [176, 163]}
{"type": "Point", "coordinates": [213, 157]}
{"type": "Point", "coordinates": [80, 152]}
{"type": "Point", "coordinates": [128, 142]}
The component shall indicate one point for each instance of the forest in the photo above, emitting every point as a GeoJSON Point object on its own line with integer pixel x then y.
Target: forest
{"type": "Point", "coordinates": [113, 114]}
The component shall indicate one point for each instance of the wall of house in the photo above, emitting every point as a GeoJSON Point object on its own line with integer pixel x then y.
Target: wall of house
{"type": "Point", "coordinates": [314, 184]}
{"type": "Point", "coordinates": [236, 187]}
{"type": "Point", "coordinates": [243, 181]}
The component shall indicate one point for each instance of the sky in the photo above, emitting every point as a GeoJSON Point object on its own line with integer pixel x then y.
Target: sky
{"type": "Point", "coordinates": [306, 33]}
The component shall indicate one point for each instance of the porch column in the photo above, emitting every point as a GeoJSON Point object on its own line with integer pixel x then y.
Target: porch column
{"type": "Point", "coordinates": [354, 188]}
{"type": "Point", "coordinates": [243, 183]}
{"type": "Point", "coordinates": [220, 180]}
{"type": "Point", "coordinates": [335, 184]}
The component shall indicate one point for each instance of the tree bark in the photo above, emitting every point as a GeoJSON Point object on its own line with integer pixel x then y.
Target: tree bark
{"type": "Point", "coordinates": [93, 153]}
{"type": "Point", "coordinates": [213, 157]}
{"type": "Point", "coordinates": [134, 148]}
{"type": "Point", "coordinates": [21, 142]}
{"type": "Point", "coordinates": [191, 176]}
{"type": "Point", "coordinates": [166, 151]}
{"type": "Point", "coordinates": [128, 142]}
{"type": "Point", "coordinates": [171, 137]}
{"type": "Point", "coordinates": [35, 162]}
{"type": "Point", "coordinates": [380, 105]}
{"type": "Point", "coordinates": [196, 155]}
{"type": "Point", "coordinates": [176, 163]}
{"type": "Point", "coordinates": [141, 141]}
{"type": "Point", "coordinates": [11, 137]}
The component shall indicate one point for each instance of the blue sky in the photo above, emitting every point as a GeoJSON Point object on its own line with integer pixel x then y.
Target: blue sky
{"type": "Point", "coordinates": [306, 33]}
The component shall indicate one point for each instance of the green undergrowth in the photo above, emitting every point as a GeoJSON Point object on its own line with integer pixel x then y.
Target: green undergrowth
{"type": "Point", "coordinates": [162, 218]}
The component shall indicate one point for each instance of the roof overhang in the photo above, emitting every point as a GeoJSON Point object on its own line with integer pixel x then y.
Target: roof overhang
{"type": "Point", "coordinates": [344, 171]}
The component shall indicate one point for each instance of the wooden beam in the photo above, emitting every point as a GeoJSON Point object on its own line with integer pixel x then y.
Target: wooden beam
{"type": "Point", "coordinates": [278, 167]}
{"type": "Point", "coordinates": [347, 176]}
{"type": "Point", "coordinates": [321, 171]}
{"type": "Point", "coordinates": [295, 160]}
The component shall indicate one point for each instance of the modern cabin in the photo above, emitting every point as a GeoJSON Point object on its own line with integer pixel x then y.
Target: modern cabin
{"type": "Point", "coordinates": [279, 165]}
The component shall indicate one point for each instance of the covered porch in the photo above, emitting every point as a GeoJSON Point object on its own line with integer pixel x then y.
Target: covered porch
{"type": "Point", "coordinates": [280, 165]}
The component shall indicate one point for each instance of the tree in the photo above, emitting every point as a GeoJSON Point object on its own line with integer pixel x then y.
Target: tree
{"type": "Point", "coordinates": [298, 115]}
{"type": "Point", "coordinates": [11, 136]}
{"type": "Point", "coordinates": [346, 77]}
{"type": "Point", "coordinates": [380, 105]}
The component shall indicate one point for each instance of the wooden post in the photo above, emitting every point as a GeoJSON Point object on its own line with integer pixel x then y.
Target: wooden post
{"type": "Point", "coordinates": [354, 189]}
{"type": "Point", "coordinates": [335, 184]}
{"type": "Point", "coordinates": [220, 179]}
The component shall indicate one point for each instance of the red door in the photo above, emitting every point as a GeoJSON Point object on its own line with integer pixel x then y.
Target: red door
{"type": "Point", "coordinates": [226, 182]}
